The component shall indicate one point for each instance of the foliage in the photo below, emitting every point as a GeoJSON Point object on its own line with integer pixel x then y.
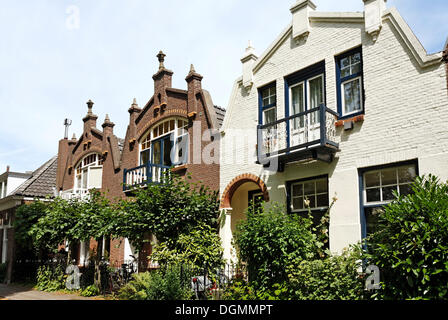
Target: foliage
{"type": "Point", "coordinates": [26, 216]}
{"type": "Point", "coordinates": [240, 289]}
{"type": "Point", "coordinates": [171, 283]}
{"type": "Point", "coordinates": [166, 210]}
{"type": "Point", "coordinates": [269, 240]}
{"type": "Point", "coordinates": [3, 267]}
{"type": "Point", "coordinates": [200, 248]}
{"type": "Point", "coordinates": [332, 278]}
{"type": "Point", "coordinates": [90, 291]}
{"type": "Point", "coordinates": [411, 246]}
{"type": "Point", "coordinates": [50, 278]}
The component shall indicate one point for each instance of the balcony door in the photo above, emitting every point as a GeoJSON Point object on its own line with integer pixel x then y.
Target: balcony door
{"type": "Point", "coordinates": [161, 156]}
{"type": "Point", "coordinates": [306, 95]}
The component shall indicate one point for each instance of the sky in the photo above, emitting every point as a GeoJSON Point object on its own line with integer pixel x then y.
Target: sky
{"type": "Point", "coordinates": [57, 54]}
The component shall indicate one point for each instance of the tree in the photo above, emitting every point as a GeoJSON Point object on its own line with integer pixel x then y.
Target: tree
{"type": "Point", "coordinates": [411, 244]}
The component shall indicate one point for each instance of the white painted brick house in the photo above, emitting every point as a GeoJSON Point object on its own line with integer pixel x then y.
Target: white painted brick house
{"type": "Point", "coordinates": [355, 108]}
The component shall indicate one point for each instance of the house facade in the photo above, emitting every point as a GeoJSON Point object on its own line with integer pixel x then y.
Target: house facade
{"type": "Point", "coordinates": [342, 108]}
{"type": "Point", "coordinates": [17, 189]}
{"type": "Point", "coordinates": [175, 131]}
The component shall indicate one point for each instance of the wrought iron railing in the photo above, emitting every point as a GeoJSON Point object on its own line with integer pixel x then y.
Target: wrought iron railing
{"type": "Point", "coordinates": [143, 175]}
{"type": "Point", "coordinates": [315, 127]}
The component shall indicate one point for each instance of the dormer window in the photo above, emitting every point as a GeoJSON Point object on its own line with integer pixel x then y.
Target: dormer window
{"type": "Point", "coordinates": [350, 83]}
{"type": "Point", "coordinates": [89, 173]}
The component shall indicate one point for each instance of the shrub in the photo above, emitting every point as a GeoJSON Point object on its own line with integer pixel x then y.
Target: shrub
{"type": "Point", "coordinates": [332, 278]}
{"type": "Point", "coordinates": [239, 289]}
{"type": "Point", "coordinates": [90, 291]}
{"type": "Point", "coordinates": [166, 284]}
{"type": "Point", "coordinates": [270, 240]}
{"type": "Point", "coordinates": [201, 248]}
{"type": "Point", "coordinates": [411, 246]}
{"type": "Point", "coordinates": [50, 278]}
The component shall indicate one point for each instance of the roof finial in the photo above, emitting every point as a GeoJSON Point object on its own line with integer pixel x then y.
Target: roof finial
{"type": "Point", "coordinates": [134, 102]}
{"type": "Point", "coordinates": [107, 119]}
{"type": "Point", "coordinates": [74, 136]}
{"type": "Point", "coordinates": [192, 69]}
{"type": "Point", "coordinates": [161, 56]}
{"type": "Point", "coordinates": [249, 46]}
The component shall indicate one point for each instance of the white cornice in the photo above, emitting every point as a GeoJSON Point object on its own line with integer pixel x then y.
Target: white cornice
{"type": "Point", "coordinates": [339, 17]}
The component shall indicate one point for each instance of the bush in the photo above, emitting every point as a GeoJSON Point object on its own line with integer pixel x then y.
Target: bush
{"type": "Point", "coordinates": [50, 278]}
{"type": "Point", "coordinates": [199, 249]}
{"type": "Point", "coordinates": [411, 246]}
{"type": "Point", "coordinates": [166, 284]}
{"type": "Point", "coordinates": [269, 241]}
{"type": "Point", "coordinates": [332, 278]}
{"type": "Point", "coordinates": [3, 267]}
{"type": "Point", "coordinates": [239, 289]}
{"type": "Point", "coordinates": [90, 291]}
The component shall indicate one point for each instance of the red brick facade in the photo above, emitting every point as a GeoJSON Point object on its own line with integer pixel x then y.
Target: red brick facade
{"type": "Point", "coordinates": [193, 105]}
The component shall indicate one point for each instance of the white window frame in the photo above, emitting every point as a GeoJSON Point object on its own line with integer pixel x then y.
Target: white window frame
{"type": "Point", "coordinates": [381, 186]}
{"type": "Point", "coordinates": [303, 194]}
{"type": "Point", "coordinates": [93, 165]}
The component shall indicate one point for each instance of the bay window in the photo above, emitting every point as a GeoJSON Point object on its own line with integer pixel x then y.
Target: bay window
{"type": "Point", "coordinates": [89, 173]}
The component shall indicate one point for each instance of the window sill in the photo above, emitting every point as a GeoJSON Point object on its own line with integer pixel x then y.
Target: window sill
{"type": "Point", "coordinates": [358, 118]}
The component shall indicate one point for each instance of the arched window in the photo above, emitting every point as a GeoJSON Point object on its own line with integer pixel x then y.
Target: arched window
{"type": "Point", "coordinates": [89, 173]}
{"type": "Point", "coordinates": [166, 144]}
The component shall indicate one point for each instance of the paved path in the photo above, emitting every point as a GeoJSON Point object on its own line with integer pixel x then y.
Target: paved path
{"type": "Point", "coordinates": [20, 292]}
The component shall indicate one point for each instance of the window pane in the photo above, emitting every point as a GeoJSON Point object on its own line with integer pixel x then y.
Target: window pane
{"type": "Point", "coordinates": [352, 96]}
{"type": "Point", "coordinates": [322, 200]}
{"type": "Point", "coordinates": [297, 190]}
{"type": "Point", "coordinates": [388, 177]}
{"type": "Point", "coordinates": [167, 152]}
{"type": "Point", "coordinates": [405, 189]}
{"type": "Point", "coordinates": [157, 156]}
{"type": "Point", "coordinates": [297, 99]}
{"type": "Point", "coordinates": [388, 193]}
{"type": "Point", "coordinates": [406, 174]}
{"type": "Point", "coordinates": [316, 92]}
{"type": "Point", "coordinates": [297, 203]}
{"type": "Point", "coordinates": [372, 179]}
{"type": "Point", "coordinates": [373, 195]}
{"type": "Point", "coordinates": [321, 186]}
{"type": "Point", "coordinates": [144, 156]}
{"type": "Point", "coordinates": [309, 188]}
{"type": "Point", "coordinates": [270, 115]}
{"type": "Point", "coordinates": [84, 179]}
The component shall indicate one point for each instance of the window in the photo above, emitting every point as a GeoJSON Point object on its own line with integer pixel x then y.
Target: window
{"type": "Point", "coordinates": [378, 187]}
{"type": "Point", "coordinates": [157, 146]}
{"type": "Point", "coordinates": [268, 97]}
{"type": "Point", "coordinates": [305, 91]}
{"type": "Point", "coordinates": [350, 83]}
{"type": "Point", "coordinates": [89, 173]}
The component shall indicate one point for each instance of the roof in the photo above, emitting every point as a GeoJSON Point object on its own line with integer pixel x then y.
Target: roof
{"type": "Point", "coordinates": [42, 183]}
{"type": "Point", "coordinates": [220, 113]}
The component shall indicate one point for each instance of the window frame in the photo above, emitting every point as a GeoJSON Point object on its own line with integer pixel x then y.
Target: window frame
{"type": "Point", "coordinates": [289, 195]}
{"type": "Point", "coordinates": [98, 163]}
{"type": "Point", "coordinates": [362, 194]}
{"type": "Point", "coordinates": [261, 107]}
{"type": "Point", "coordinates": [340, 81]}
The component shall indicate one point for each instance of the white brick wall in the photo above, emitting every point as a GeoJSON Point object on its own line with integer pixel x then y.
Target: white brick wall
{"type": "Point", "coordinates": [406, 116]}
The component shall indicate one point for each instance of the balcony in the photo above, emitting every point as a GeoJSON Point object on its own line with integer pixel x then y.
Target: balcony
{"type": "Point", "coordinates": [303, 136]}
{"type": "Point", "coordinates": [143, 175]}
{"type": "Point", "coordinates": [75, 194]}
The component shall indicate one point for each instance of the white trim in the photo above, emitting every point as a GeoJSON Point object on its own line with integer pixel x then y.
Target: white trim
{"type": "Point", "coordinates": [359, 78]}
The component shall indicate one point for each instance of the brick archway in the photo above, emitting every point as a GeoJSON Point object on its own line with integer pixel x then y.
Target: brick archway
{"type": "Point", "coordinates": [237, 182]}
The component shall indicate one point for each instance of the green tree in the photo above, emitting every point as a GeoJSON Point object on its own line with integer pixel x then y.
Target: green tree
{"type": "Point", "coordinates": [411, 244]}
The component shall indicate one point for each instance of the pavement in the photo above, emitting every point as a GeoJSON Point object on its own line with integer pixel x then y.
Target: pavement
{"type": "Point", "coordinates": [23, 292]}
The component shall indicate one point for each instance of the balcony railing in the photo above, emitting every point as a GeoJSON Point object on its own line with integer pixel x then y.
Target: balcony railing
{"type": "Point", "coordinates": [75, 194]}
{"type": "Point", "coordinates": [299, 136]}
{"type": "Point", "coordinates": [143, 175]}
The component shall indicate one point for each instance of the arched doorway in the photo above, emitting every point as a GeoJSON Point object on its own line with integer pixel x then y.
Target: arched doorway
{"type": "Point", "coordinates": [234, 202]}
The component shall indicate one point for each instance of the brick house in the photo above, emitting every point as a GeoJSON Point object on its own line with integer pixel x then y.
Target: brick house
{"type": "Point", "coordinates": [176, 130]}
{"type": "Point", "coordinates": [17, 189]}
{"type": "Point", "coordinates": [342, 104]}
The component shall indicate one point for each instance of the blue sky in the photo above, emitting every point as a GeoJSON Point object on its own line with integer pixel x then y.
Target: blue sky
{"type": "Point", "coordinates": [49, 69]}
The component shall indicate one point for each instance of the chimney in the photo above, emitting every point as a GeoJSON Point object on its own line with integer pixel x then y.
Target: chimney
{"type": "Point", "coordinates": [162, 80]}
{"type": "Point", "coordinates": [301, 18]}
{"type": "Point", "coordinates": [373, 16]}
{"type": "Point", "coordinates": [7, 168]}
{"type": "Point", "coordinates": [90, 118]}
{"type": "Point", "coordinates": [194, 86]}
{"type": "Point", "coordinates": [248, 61]}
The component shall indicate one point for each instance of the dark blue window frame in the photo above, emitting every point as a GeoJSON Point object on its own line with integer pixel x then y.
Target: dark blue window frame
{"type": "Point", "coordinates": [361, 173]}
{"type": "Point", "coordinates": [340, 80]}
{"type": "Point", "coordinates": [262, 108]}
{"type": "Point", "coordinates": [289, 196]}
